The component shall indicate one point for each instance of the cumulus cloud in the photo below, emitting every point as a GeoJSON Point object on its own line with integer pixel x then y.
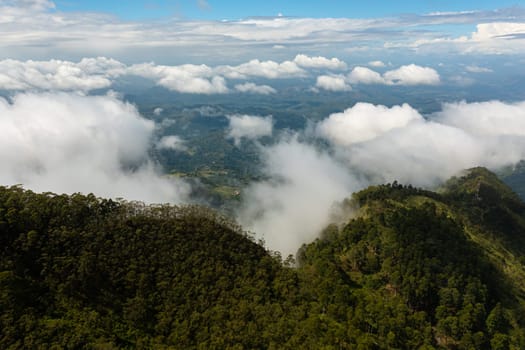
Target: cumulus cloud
{"type": "Point", "coordinates": [490, 38]}
{"type": "Point", "coordinates": [172, 142]}
{"type": "Point", "coordinates": [101, 72]}
{"type": "Point", "coordinates": [319, 62]}
{"type": "Point", "coordinates": [371, 144]}
{"type": "Point", "coordinates": [263, 69]}
{"type": "Point", "coordinates": [398, 143]}
{"type": "Point", "coordinates": [376, 64]}
{"type": "Point", "coordinates": [86, 75]}
{"type": "Point", "coordinates": [333, 83]}
{"type": "Point", "coordinates": [363, 75]}
{"type": "Point", "coordinates": [158, 111]}
{"type": "Point", "coordinates": [187, 78]}
{"type": "Point", "coordinates": [405, 75]}
{"type": "Point", "coordinates": [491, 118]}
{"type": "Point", "coordinates": [249, 127]}
{"type": "Point", "coordinates": [364, 122]}
{"type": "Point", "coordinates": [255, 89]}
{"type": "Point", "coordinates": [412, 75]}
{"type": "Point", "coordinates": [296, 203]}
{"type": "Point", "coordinates": [65, 142]}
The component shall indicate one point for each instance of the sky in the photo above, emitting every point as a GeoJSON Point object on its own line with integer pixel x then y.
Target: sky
{"type": "Point", "coordinates": [232, 32]}
{"type": "Point", "coordinates": [234, 9]}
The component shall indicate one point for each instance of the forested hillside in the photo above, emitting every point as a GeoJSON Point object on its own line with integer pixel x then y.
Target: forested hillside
{"type": "Point", "coordinates": [414, 269]}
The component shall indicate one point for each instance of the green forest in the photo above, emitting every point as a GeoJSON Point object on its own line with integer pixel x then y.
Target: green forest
{"type": "Point", "coordinates": [412, 269]}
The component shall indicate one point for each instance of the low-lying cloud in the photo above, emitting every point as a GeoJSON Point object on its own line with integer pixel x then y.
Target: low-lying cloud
{"type": "Point", "coordinates": [65, 142]}
{"type": "Point", "coordinates": [172, 142]}
{"type": "Point", "coordinates": [364, 122]}
{"type": "Point", "coordinates": [411, 74]}
{"type": "Point", "coordinates": [398, 143]}
{"type": "Point", "coordinates": [296, 203]}
{"type": "Point", "coordinates": [319, 62]}
{"type": "Point", "coordinates": [249, 127]}
{"type": "Point", "coordinates": [88, 74]}
{"type": "Point", "coordinates": [255, 89]}
{"type": "Point", "coordinates": [333, 83]}
{"type": "Point", "coordinates": [372, 144]}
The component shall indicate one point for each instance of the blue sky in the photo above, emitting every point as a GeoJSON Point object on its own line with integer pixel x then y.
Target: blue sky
{"type": "Point", "coordinates": [235, 9]}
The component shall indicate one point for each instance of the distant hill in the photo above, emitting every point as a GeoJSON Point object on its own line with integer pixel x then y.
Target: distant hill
{"type": "Point", "coordinates": [515, 178]}
{"type": "Point", "coordinates": [414, 269]}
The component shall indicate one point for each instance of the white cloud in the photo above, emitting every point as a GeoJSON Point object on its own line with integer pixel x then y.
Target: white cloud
{"type": "Point", "coordinates": [492, 38]}
{"type": "Point", "coordinates": [492, 118]}
{"type": "Point", "coordinates": [88, 74]}
{"type": "Point", "coordinates": [412, 75]}
{"type": "Point", "coordinates": [376, 64]}
{"type": "Point", "coordinates": [65, 142]}
{"type": "Point", "coordinates": [158, 111]}
{"type": "Point", "coordinates": [421, 153]}
{"type": "Point", "coordinates": [35, 5]}
{"type": "Point", "coordinates": [249, 127]}
{"type": "Point", "coordinates": [498, 30]}
{"type": "Point", "coordinates": [172, 142]}
{"type": "Point", "coordinates": [370, 145]}
{"type": "Point", "coordinates": [187, 78]}
{"type": "Point", "coordinates": [364, 122]}
{"type": "Point", "coordinates": [478, 69]}
{"type": "Point", "coordinates": [405, 75]}
{"type": "Point", "coordinates": [255, 89]}
{"type": "Point", "coordinates": [262, 69]}
{"type": "Point", "coordinates": [333, 83]}
{"type": "Point", "coordinates": [397, 143]}
{"type": "Point", "coordinates": [319, 62]}
{"type": "Point", "coordinates": [363, 75]}
{"type": "Point", "coordinates": [296, 203]}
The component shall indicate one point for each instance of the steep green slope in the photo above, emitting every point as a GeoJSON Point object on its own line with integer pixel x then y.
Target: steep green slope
{"type": "Point", "coordinates": [425, 269]}
{"type": "Point", "coordinates": [514, 177]}
{"type": "Point", "coordinates": [413, 270]}
{"type": "Point", "coordinates": [76, 271]}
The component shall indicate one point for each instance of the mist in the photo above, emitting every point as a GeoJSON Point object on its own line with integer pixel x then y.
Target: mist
{"type": "Point", "coordinates": [372, 144]}
{"type": "Point", "coordinates": [67, 142]}
{"type": "Point", "coordinates": [296, 203]}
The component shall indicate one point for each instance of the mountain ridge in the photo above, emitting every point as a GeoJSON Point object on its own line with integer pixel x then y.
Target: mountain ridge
{"type": "Point", "coordinates": [412, 269]}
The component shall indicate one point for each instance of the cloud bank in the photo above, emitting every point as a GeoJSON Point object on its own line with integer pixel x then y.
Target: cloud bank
{"type": "Point", "coordinates": [101, 72]}
{"type": "Point", "coordinates": [64, 142]}
{"type": "Point", "coordinates": [88, 74]}
{"type": "Point", "coordinates": [408, 75]}
{"type": "Point", "coordinates": [373, 144]}
{"type": "Point", "coordinates": [411, 74]}
{"type": "Point", "coordinates": [255, 89]}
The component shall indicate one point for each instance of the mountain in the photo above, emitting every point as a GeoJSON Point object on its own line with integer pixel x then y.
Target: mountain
{"type": "Point", "coordinates": [412, 269]}
{"type": "Point", "coordinates": [515, 178]}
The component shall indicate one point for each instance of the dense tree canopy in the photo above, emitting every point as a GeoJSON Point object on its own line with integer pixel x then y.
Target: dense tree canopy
{"type": "Point", "coordinates": [413, 270]}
